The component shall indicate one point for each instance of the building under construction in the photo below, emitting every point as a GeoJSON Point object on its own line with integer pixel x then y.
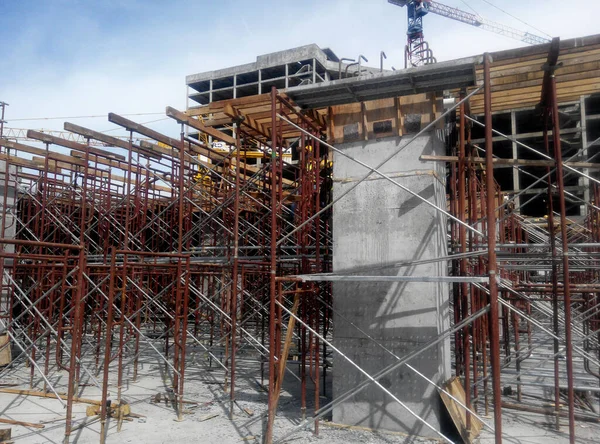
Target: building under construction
{"type": "Point", "coordinates": [327, 248]}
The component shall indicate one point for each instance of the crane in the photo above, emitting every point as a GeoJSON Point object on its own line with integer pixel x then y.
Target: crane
{"type": "Point", "coordinates": [417, 51]}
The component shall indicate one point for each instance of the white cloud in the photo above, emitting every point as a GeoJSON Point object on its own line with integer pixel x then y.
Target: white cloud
{"type": "Point", "coordinates": [142, 68]}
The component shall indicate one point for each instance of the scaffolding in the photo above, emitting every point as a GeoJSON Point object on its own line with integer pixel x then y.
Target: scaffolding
{"type": "Point", "coordinates": [205, 257]}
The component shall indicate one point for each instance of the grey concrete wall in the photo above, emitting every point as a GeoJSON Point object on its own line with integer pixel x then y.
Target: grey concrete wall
{"type": "Point", "coordinates": [377, 224]}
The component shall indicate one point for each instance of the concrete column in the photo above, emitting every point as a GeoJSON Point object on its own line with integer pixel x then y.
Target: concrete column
{"type": "Point", "coordinates": [259, 81]}
{"type": "Point", "coordinates": [379, 224]}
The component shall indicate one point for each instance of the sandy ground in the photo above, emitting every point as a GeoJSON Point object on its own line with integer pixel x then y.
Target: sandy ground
{"type": "Point", "coordinates": [529, 428]}
{"type": "Point", "coordinates": [208, 420]}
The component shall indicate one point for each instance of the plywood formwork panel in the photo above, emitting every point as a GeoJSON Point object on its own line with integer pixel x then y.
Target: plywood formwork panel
{"type": "Point", "coordinates": [394, 116]}
{"type": "Point", "coordinates": [517, 79]}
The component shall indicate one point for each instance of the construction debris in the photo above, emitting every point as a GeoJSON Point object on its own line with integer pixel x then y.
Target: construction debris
{"type": "Point", "coordinates": [5, 435]}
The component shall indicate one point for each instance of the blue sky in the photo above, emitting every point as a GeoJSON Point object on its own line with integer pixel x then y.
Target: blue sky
{"type": "Point", "coordinates": [88, 57]}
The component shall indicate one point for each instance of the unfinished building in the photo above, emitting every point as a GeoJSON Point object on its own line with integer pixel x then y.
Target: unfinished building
{"type": "Point", "coordinates": [306, 65]}
{"type": "Point", "coordinates": [411, 251]}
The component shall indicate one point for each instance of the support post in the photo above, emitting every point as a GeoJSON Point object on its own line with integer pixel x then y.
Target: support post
{"type": "Point", "coordinates": [491, 238]}
{"type": "Point", "coordinates": [565, 251]}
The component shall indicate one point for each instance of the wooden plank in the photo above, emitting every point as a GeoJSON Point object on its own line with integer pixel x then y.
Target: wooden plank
{"type": "Point", "coordinates": [248, 121]}
{"type": "Point", "coordinates": [5, 352]}
{"type": "Point", "coordinates": [100, 173]}
{"type": "Point", "coordinates": [561, 86]}
{"type": "Point", "coordinates": [331, 127]}
{"type": "Point", "coordinates": [130, 125]}
{"type": "Point", "coordinates": [363, 121]}
{"type": "Point", "coordinates": [288, 341]}
{"type": "Point", "coordinates": [196, 124]}
{"type": "Point", "coordinates": [48, 138]}
{"type": "Point", "coordinates": [112, 163]}
{"type": "Point", "coordinates": [417, 104]}
{"type": "Point", "coordinates": [155, 148]}
{"type": "Point", "coordinates": [240, 102]}
{"type": "Point", "coordinates": [579, 74]}
{"type": "Point", "coordinates": [286, 349]}
{"type": "Point", "coordinates": [42, 152]}
{"type": "Point", "coordinates": [530, 96]}
{"type": "Point", "coordinates": [109, 140]}
{"type": "Point", "coordinates": [219, 120]}
{"type": "Point", "coordinates": [459, 413]}
{"type": "Point", "coordinates": [256, 109]}
{"type": "Point", "coordinates": [22, 147]}
{"type": "Point", "coordinates": [53, 163]}
{"type": "Point", "coordinates": [22, 423]}
{"type": "Point", "coordinates": [39, 394]}
{"type": "Point", "coordinates": [219, 105]}
{"type": "Point", "coordinates": [65, 158]}
{"type": "Point", "coordinates": [317, 116]}
{"type": "Point", "coordinates": [379, 111]}
{"type": "Point", "coordinates": [588, 69]}
{"type": "Point", "coordinates": [519, 102]}
{"type": "Point", "coordinates": [516, 74]}
{"type": "Point", "coordinates": [344, 115]}
{"type": "Point", "coordinates": [364, 115]}
{"type": "Point", "coordinates": [532, 53]}
{"type": "Point", "coordinates": [26, 163]}
{"type": "Point", "coordinates": [434, 107]}
{"type": "Point", "coordinates": [248, 170]}
{"type": "Point", "coordinates": [399, 116]}
{"type": "Point", "coordinates": [538, 61]}
{"type": "Point", "coordinates": [257, 116]}
{"type": "Point", "coordinates": [517, 82]}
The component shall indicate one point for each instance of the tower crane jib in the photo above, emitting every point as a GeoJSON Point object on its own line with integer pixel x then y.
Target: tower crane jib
{"type": "Point", "coordinates": [417, 50]}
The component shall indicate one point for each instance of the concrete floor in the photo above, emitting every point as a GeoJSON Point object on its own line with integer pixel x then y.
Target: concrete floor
{"type": "Point", "coordinates": [208, 421]}
{"type": "Point", "coordinates": [529, 428]}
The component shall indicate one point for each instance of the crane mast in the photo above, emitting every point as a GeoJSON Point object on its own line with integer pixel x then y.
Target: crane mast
{"type": "Point", "coordinates": [417, 51]}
